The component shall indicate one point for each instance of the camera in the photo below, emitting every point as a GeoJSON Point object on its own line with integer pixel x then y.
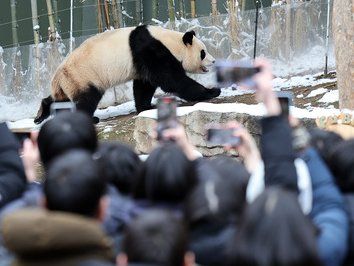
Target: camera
{"type": "Point", "coordinates": [166, 114]}
{"type": "Point", "coordinates": [230, 72]}
{"type": "Point", "coordinates": [57, 107]}
{"type": "Point", "coordinates": [222, 136]}
{"type": "Point", "coordinates": [286, 100]}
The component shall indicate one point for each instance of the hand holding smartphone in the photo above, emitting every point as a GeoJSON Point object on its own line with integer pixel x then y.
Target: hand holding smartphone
{"type": "Point", "coordinates": [217, 135]}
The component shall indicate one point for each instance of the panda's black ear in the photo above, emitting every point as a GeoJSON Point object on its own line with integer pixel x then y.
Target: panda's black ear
{"type": "Point", "coordinates": [188, 37]}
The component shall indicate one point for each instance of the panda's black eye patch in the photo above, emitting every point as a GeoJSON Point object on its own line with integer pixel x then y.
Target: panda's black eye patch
{"type": "Point", "coordinates": [202, 54]}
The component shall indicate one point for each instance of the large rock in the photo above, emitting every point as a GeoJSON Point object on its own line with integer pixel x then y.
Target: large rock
{"type": "Point", "coordinates": [343, 34]}
{"type": "Point", "coordinates": [196, 118]}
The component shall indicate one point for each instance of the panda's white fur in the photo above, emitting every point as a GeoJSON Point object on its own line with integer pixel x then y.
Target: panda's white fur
{"type": "Point", "coordinates": [106, 60]}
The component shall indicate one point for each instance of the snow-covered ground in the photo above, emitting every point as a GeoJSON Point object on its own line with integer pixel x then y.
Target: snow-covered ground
{"type": "Point", "coordinates": [329, 96]}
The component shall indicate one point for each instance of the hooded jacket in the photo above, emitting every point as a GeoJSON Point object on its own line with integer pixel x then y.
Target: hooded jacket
{"type": "Point", "coordinates": [39, 237]}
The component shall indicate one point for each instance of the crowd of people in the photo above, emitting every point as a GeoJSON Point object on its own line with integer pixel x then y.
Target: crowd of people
{"type": "Point", "coordinates": [98, 203]}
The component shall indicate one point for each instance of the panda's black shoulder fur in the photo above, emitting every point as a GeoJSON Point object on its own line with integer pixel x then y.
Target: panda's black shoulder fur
{"type": "Point", "coordinates": [151, 58]}
{"type": "Point", "coordinates": [156, 66]}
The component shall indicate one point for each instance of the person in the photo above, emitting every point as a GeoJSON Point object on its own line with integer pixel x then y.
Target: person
{"type": "Point", "coordinates": [214, 207]}
{"type": "Point", "coordinates": [66, 131]}
{"type": "Point", "coordinates": [68, 232]}
{"type": "Point", "coordinates": [12, 173]}
{"type": "Point", "coordinates": [120, 166]}
{"type": "Point", "coordinates": [166, 177]}
{"type": "Point", "coordinates": [327, 212]}
{"type": "Point", "coordinates": [274, 231]}
{"type": "Point", "coordinates": [156, 237]}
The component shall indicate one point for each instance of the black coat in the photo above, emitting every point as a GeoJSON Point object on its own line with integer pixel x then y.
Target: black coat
{"type": "Point", "coordinates": [12, 175]}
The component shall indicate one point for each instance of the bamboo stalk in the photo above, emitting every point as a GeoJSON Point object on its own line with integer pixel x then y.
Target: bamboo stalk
{"type": "Point", "coordinates": [14, 25]}
{"type": "Point", "coordinates": [99, 16]}
{"type": "Point", "coordinates": [51, 21]}
{"type": "Point", "coordinates": [106, 14]}
{"type": "Point", "coordinates": [193, 10]}
{"type": "Point", "coordinates": [171, 11]}
{"type": "Point", "coordinates": [56, 18]}
{"type": "Point", "coordinates": [155, 9]}
{"type": "Point", "coordinates": [35, 25]}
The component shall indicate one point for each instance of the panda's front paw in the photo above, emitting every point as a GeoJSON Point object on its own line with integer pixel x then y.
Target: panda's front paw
{"type": "Point", "coordinates": [214, 92]}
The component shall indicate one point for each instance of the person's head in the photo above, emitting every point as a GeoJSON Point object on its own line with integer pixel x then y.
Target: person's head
{"type": "Point", "coordinates": [120, 165]}
{"type": "Point", "coordinates": [74, 184]}
{"type": "Point", "coordinates": [341, 163]}
{"type": "Point", "coordinates": [274, 231]}
{"type": "Point", "coordinates": [323, 141]}
{"type": "Point", "coordinates": [166, 176]}
{"type": "Point", "coordinates": [66, 131]}
{"type": "Point", "coordinates": [221, 194]}
{"type": "Point", "coordinates": [156, 237]}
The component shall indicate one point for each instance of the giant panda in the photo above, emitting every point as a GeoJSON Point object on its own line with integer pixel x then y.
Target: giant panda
{"type": "Point", "coordinates": [151, 56]}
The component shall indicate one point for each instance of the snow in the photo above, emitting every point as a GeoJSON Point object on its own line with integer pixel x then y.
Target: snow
{"type": "Point", "coordinates": [330, 97]}
{"type": "Point", "coordinates": [1, 50]}
{"type": "Point", "coordinates": [36, 27]}
{"type": "Point", "coordinates": [251, 109]}
{"type": "Point", "coordinates": [301, 81]}
{"type": "Point", "coordinates": [316, 92]}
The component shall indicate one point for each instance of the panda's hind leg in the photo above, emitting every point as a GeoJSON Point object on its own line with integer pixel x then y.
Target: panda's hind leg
{"type": "Point", "coordinates": [143, 93]}
{"type": "Point", "coordinates": [87, 101]}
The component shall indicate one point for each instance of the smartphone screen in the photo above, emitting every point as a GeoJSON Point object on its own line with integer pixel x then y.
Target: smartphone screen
{"type": "Point", "coordinates": [166, 114]}
{"type": "Point", "coordinates": [22, 136]}
{"type": "Point", "coordinates": [285, 100]}
{"type": "Point", "coordinates": [231, 72]}
{"type": "Point", "coordinates": [58, 107]}
{"type": "Point", "coordinates": [222, 136]}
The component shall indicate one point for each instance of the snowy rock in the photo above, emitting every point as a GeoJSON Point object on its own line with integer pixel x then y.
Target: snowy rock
{"type": "Point", "coordinates": [196, 118]}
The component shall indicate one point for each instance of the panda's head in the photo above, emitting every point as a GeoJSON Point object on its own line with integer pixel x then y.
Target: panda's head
{"type": "Point", "coordinates": [196, 58]}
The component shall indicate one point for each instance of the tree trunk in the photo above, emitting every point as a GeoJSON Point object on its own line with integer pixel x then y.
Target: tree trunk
{"type": "Point", "coordinates": [214, 7]}
{"type": "Point", "coordinates": [288, 31]}
{"type": "Point", "coordinates": [155, 9]}
{"type": "Point", "coordinates": [3, 87]}
{"type": "Point", "coordinates": [56, 18]}
{"type": "Point", "coordinates": [14, 22]}
{"type": "Point", "coordinates": [193, 10]}
{"type": "Point", "coordinates": [138, 12]}
{"type": "Point", "coordinates": [117, 18]}
{"type": "Point", "coordinates": [234, 27]}
{"type": "Point", "coordinates": [182, 12]}
{"type": "Point", "coordinates": [343, 31]}
{"type": "Point", "coordinates": [99, 16]}
{"type": "Point", "coordinates": [52, 33]}
{"type": "Point", "coordinates": [36, 50]}
{"type": "Point", "coordinates": [171, 12]}
{"type": "Point", "coordinates": [106, 14]}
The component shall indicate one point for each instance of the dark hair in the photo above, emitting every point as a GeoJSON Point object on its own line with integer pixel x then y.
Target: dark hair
{"type": "Point", "coordinates": [74, 184]}
{"type": "Point", "coordinates": [166, 176]}
{"type": "Point", "coordinates": [341, 163]}
{"type": "Point", "coordinates": [220, 195]}
{"type": "Point", "coordinates": [275, 232]}
{"type": "Point", "coordinates": [323, 141]}
{"type": "Point", "coordinates": [120, 165]}
{"type": "Point", "coordinates": [64, 132]}
{"type": "Point", "coordinates": [155, 236]}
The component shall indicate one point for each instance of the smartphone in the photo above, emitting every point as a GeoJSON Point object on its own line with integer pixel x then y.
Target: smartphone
{"type": "Point", "coordinates": [21, 135]}
{"type": "Point", "coordinates": [58, 107]}
{"type": "Point", "coordinates": [166, 114]}
{"type": "Point", "coordinates": [222, 137]}
{"type": "Point", "coordinates": [286, 100]}
{"type": "Point", "coordinates": [231, 72]}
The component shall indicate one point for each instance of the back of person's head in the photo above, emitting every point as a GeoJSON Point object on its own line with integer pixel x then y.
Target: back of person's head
{"type": "Point", "coordinates": [120, 164]}
{"type": "Point", "coordinates": [323, 141]}
{"type": "Point", "coordinates": [155, 237]}
{"type": "Point", "coordinates": [166, 176]}
{"type": "Point", "coordinates": [274, 231]}
{"type": "Point", "coordinates": [74, 184]}
{"type": "Point", "coordinates": [221, 194]}
{"type": "Point", "coordinates": [341, 163]}
{"type": "Point", "coordinates": [66, 131]}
